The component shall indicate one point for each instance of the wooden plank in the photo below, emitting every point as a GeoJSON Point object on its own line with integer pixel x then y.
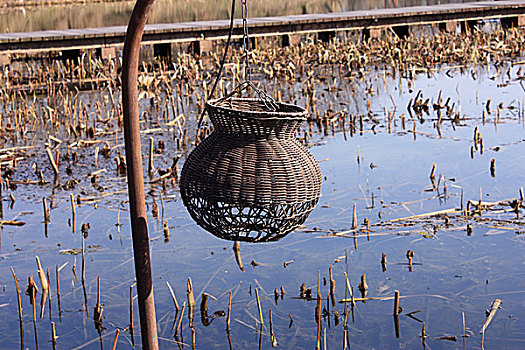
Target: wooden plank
{"type": "Point", "coordinates": [189, 31]}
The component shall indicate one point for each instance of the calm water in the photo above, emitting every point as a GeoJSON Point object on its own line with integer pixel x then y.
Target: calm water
{"type": "Point", "coordinates": [454, 273]}
{"type": "Point", "coordinates": [20, 19]}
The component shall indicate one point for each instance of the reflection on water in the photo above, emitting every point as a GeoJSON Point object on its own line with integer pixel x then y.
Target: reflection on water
{"type": "Point", "coordinates": [19, 19]}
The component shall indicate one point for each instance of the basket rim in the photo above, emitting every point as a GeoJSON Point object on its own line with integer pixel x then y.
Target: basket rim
{"type": "Point", "coordinates": [300, 114]}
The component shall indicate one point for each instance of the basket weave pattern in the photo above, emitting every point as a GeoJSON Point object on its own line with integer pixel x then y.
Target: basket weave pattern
{"type": "Point", "coordinates": [251, 180]}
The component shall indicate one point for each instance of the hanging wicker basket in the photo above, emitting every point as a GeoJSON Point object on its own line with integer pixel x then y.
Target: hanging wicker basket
{"type": "Point", "coordinates": [251, 180]}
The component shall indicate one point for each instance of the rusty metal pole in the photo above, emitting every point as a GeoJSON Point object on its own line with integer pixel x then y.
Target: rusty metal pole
{"type": "Point", "coordinates": [137, 205]}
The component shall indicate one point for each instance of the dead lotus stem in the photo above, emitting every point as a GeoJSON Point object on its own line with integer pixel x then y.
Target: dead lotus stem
{"type": "Point", "coordinates": [259, 306]}
{"type": "Point", "coordinates": [83, 277]}
{"type": "Point", "coordinates": [324, 339]}
{"type": "Point", "coordinates": [32, 290]}
{"type": "Point", "coordinates": [363, 286]}
{"type": "Point", "coordinates": [42, 275]}
{"type": "Point", "coordinates": [12, 223]}
{"type": "Point", "coordinates": [332, 286]}
{"type": "Point", "coordinates": [150, 162]}
{"type": "Point", "coordinates": [115, 340]}
{"type": "Point", "coordinates": [97, 313]}
{"type": "Point", "coordinates": [73, 207]}
{"type": "Point", "coordinates": [57, 272]}
{"type": "Point", "coordinates": [396, 303]}
{"type": "Point", "coordinates": [73, 212]}
{"type": "Point", "coordinates": [272, 336]}
{"type": "Point", "coordinates": [189, 293]}
{"type": "Point", "coordinates": [463, 317]}
{"type": "Point", "coordinates": [354, 218]}
{"type": "Point", "coordinates": [492, 312]}
{"type": "Point", "coordinates": [433, 172]}
{"type": "Point", "coordinates": [118, 222]}
{"type": "Point", "coordinates": [349, 289]}
{"type": "Point", "coordinates": [49, 294]}
{"type": "Point", "coordinates": [53, 335]}
{"type": "Point", "coordinates": [52, 161]}
{"type": "Point", "coordinates": [318, 319]}
{"type": "Point", "coordinates": [166, 232]}
{"type": "Point", "coordinates": [319, 282]}
{"type": "Point", "coordinates": [173, 295]}
{"type": "Point", "coordinates": [20, 313]}
{"type": "Point", "coordinates": [160, 178]}
{"type": "Point", "coordinates": [131, 314]}
{"type": "Point", "coordinates": [179, 322]}
{"type": "Point", "coordinates": [191, 302]}
{"type": "Point", "coordinates": [237, 253]}
{"type": "Point", "coordinates": [410, 257]}
{"type": "Point", "coordinates": [433, 213]}
{"type": "Point", "coordinates": [228, 317]}
{"type": "Point", "coordinates": [46, 210]}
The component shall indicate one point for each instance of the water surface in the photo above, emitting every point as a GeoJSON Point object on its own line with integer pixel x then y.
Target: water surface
{"type": "Point", "coordinates": [456, 272]}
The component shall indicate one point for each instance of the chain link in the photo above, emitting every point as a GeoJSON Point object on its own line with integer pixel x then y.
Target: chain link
{"type": "Point", "coordinates": [269, 102]}
{"type": "Point", "coordinates": [246, 40]}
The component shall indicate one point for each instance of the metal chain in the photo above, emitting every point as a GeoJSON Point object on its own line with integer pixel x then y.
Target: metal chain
{"type": "Point", "coordinates": [246, 40]}
{"type": "Point", "coordinates": [269, 102]}
{"type": "Point", "coordinates": [218, 77]}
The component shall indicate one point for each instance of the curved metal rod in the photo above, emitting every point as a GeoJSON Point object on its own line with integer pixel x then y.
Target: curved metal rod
{"type": "Point", "coordinates": [137, 205]}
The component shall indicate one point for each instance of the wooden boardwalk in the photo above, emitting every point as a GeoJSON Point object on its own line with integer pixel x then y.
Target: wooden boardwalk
{"type": "Point", "coordinates": [212, 30]}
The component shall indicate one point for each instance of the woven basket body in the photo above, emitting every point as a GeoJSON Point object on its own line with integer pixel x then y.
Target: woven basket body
{"type": "Point", "coordinates": [251, 180]}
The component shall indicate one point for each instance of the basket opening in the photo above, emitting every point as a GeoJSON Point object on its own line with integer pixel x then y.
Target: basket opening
{"type": "Point", "coordinates": [253, 105]}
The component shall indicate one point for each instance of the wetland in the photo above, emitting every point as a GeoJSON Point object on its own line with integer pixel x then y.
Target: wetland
{"type": "Point", "coordinates": [421, 146]}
